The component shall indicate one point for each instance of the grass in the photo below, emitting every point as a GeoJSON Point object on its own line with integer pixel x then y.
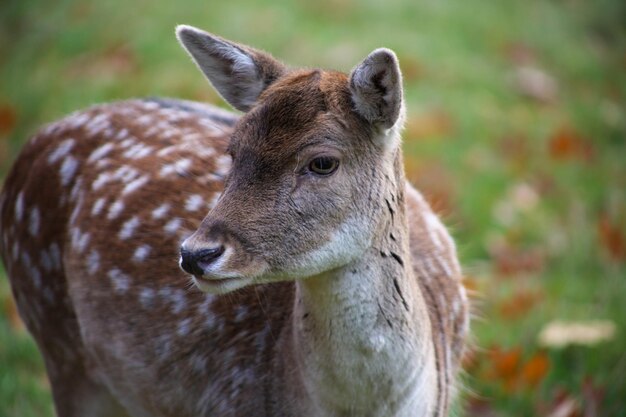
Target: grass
{"type": "Point", "coordinates": [535, 190]}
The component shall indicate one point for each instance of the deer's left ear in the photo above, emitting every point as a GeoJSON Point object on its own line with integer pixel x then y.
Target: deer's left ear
{"type": "Point", "coordinates": [376, 87]}
{"type": "Point", "coordinates": [239, 73]}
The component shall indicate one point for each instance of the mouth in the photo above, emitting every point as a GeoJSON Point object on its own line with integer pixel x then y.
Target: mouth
{"type": "Point", "coordinates": [220, 285]}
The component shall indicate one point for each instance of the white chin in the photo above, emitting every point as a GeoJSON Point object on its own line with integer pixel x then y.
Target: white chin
{"type": "Point", "coordinates": [220, 285]}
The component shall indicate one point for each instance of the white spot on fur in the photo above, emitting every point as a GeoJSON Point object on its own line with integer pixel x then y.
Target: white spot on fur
{"type": "Point", "coordinates": [129, 227]}
{"type": "Point", "coordinates": [45, 261]}
{"type": "Point", "coordinates": [179, 167]}
{"type": "Point", "coordinates": [146, 297]}
{"type": "Point", "coordinates": [444, 266]}
{"type": "Point", "coordinates": [240, 313]}
{"type": "Point", "coordinates": [214, 199]}
{"type": "Point", "coordinates": [98, 206]}
{"type": "Point", "coordinates": [146, 119]}
{"type": "Point", "coordinates": [430, 267]}
{"type": "Point", "coordinates": [174, 296]}
{"type": "Point", "coordinates": [433, 225]}
{"type": "Point", "coordinates": [138, 151]}
{"type": "Point", "coordinates": [179, 301]}
{"type": "Point", "coordinates": [76, 211]}
{"type": "Point", "coordinates": [141, 253]}
{"type": "Point", "coordinates": [205, 152]}
{"type": "Point", "coordinates": [125, 173]}
{"type": "Point", "coordinates": [103, 178]}
{"type": "Point", "coordinates": [98, 124]}
{"type": "Point", "coordinates": [161, 211]}
{"type": "Point", "coordinates": [198, 362]}
{"type": "Point", "coordinates": [194, 202]}
{"type": "Point", "coordinates": [35, 276]}
{"type": "Point", "coordinates": [121, 281]}
{"type": "Point", "coordinates": [173, 225]}
{"type": "Point", "coordinates": [222, 165]}
{"type": "Point", "coordinates": [19, 207]}
{"type": "Point", "coordinates": [121, 134]}
{"type": "Point", "coordinates": [456, 306]}
{"type": "Point", "coordinates": [15, 250]}
{"type": "Point", "coordinates": [167, 150]}
{"type": "Point", "coordinates": [61, 151]}
{"type": "Point", "coordinates": [48, 295]}
{"type": "Point", "coordinates": [35, 219]}
{"type": "Point", "coordinates": [164, 346]}
{"type": "Point", "coordinates": [68, 170]}
{"type": "Point", "coordinates": [100, 152]}
{"type": "Point", "coordinates": [80, 240]}
{"type": "Point", "coordinates": [76, 120]}
{"type": "Point", "coordinates": [55, 256]}
{"type": "Point", "coordinates": [184, 326]}
{"type": "Point", "coordinates": [136, 184]}
{"type": "Point", "coordinates": [93, 262]}
{"type": "Point", "coordinates": [76, 189]}
{"type": "Point", "coordinates": [115, 209]}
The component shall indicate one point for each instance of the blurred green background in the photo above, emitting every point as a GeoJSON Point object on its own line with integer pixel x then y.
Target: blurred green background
{"type": "Point", "coordinates": [516, 133]}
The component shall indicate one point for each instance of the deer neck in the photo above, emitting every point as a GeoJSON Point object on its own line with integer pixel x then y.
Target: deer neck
{"type": "Point", "coordinates": [361, 333]}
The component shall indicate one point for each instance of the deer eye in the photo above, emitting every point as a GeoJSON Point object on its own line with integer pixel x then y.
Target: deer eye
{"type": "Point", "coordinates": [324, 165]}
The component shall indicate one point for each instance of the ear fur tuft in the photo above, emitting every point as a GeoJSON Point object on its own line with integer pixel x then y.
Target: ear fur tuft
{"type": "Point", "coordinates": [376, 87]}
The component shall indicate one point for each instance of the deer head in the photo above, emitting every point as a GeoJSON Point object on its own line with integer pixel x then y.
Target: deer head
{"type": "Point", "coordinates": [311, 158]}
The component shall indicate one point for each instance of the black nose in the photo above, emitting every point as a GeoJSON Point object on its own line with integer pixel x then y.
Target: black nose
{"type": "Point", "coordinates": [194, 262]}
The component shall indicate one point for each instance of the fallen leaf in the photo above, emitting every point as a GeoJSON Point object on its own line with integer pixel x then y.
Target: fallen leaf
{"type": "Point", "coordinates": [520, 303]}
{"type": "Point", "coordinates": [516, 150]}
{"type": "Point", "coordinates": [593, 395]}
{"type": "Point", "coordinates": [434, 181]}
{"type": "Point", "coordinates": [535, 84]}
{"type": "Point", "coordinates": [535, 369]}
{"type": "Point", "coordinates": [519, 53]}
{"type": "Point", "coordinates": [558, 334]}
{"type": "Point", "coordinates": [435, 123]}
{"type": "Point", "coordinates": [505, 366]}
{"type": "Point", "coordinates": [479, 407]}
{"type": "Point", "coordinates": [115, 60]}
{"type": "Point", "coordinates": [10, 311]}
{"type": "Point", "coordinates": [568, 407]}
{"type": "Point", "coordinates": [412, 70]}
{"type": "Point", "coordinates": [612, 239]}
{"type": "Point", "coordinates": [8, 117]}
{"type": "Point", "coordinates": [511, 261]}
{"type": "Point", "coordinates": [565, 143]}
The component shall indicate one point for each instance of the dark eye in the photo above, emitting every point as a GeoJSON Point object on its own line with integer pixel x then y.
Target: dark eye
{"type": "Point", "coordinates": [324, 165]}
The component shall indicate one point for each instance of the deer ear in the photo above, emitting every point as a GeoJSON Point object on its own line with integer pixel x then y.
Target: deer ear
{"type": "Point", "coordinates": [238, 73]}
{"type": "Point", "coordinates": [376, 86]}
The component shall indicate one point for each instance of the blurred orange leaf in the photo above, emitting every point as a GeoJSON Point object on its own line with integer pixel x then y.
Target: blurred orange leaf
{"type": "Point", "coordinates": [519, 304]}
{"type": "Point", "coordinates": [516, 150]}
{"type": "Point", "coordinates": [10, 310]}
{"type": "Point", "coordinates": [432, 124]}
{"type": "Point", "coordinates": [411, 68]}
{"type": "Point", "coordinates": [612, 239]}
{"type": "Point", "coordinates": [511, 261]}
{"type": "Point", "coordinates": [506, 365]}
{"type": "Point", "coordinates": [566, 143]}
{"type": "Point", "coordinates": [471, 285]}
{"type": "Point", "coordinates": [115, 60]}
{"type": "Point", "coordinates": [535, 369]}
{"type": "Point", "coordinates": [434, 181]}
{"type": "Point", "coordinates": [7, 119]}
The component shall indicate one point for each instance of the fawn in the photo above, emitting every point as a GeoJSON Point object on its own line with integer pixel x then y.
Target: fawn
{"type": "Point", "coordinates": [320, 283]}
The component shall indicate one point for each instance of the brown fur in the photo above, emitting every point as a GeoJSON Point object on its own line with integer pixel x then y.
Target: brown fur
{"type": "Point", "coordinates": [130, 333]}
